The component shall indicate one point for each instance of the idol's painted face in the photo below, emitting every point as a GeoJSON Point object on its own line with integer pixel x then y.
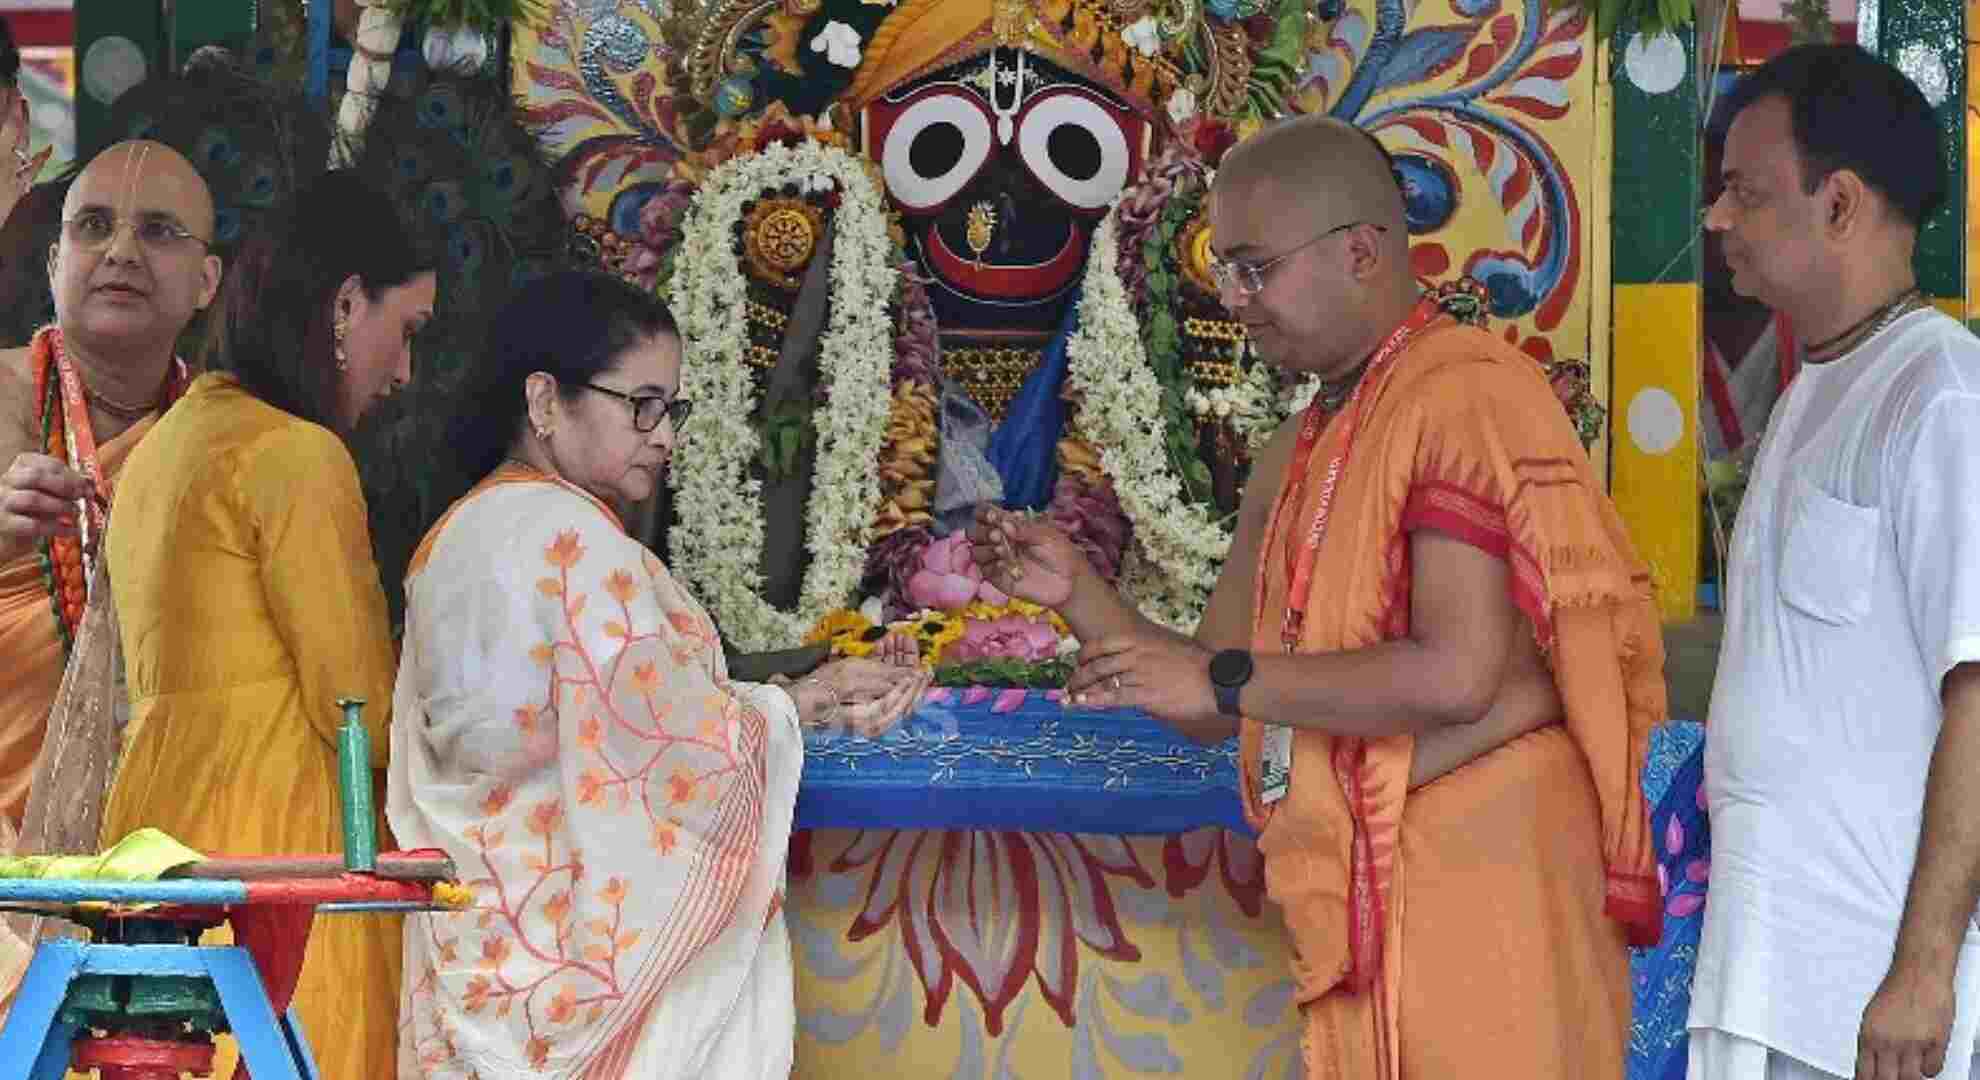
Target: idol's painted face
{"type": "Point", "coordinates": [1000, 167]}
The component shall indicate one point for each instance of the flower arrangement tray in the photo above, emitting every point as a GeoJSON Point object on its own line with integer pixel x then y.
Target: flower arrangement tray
{"type": "Point", "coordinates": [1020, 760]}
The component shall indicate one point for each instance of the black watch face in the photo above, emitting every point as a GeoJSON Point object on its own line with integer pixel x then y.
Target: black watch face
{"type": "Point", "coordinates": [1230, 667]}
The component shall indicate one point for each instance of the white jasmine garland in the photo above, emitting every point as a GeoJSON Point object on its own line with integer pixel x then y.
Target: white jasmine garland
{"type": "Point", "coordinates": [1120, 414]}
{"type": "Point", "coordinates": [1178, 547]}
{"type": "Point", "coordinates": [717, 542]}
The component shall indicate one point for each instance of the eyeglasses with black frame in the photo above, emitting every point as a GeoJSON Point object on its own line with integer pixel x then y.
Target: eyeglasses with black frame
{"type": "Point", "coordinates": [95, 229]}
{"type": "Point", "coordinates": [1247, 279]}
{"type": "Point", "coordinates": [648, 409]}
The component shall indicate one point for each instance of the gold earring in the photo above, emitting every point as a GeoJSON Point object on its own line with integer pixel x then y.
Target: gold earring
{"type": "Point", "coordinates": [339, 330]}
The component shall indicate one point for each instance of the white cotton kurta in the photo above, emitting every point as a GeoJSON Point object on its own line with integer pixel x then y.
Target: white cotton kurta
{"type": "Point", "coordinates": [1854, 588]}
{"type": "Point", "coordinates": [619, 807]}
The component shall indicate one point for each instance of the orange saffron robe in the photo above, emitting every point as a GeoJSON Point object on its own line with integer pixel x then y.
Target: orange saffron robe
{"type": "Point", "coordinates": [1478, 925]}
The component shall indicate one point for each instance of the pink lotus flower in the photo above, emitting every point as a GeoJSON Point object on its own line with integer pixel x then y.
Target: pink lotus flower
{"type": "Point", "coordinates": [1008, 637]}
{"type": "Point", "coordinates": [948, 577]}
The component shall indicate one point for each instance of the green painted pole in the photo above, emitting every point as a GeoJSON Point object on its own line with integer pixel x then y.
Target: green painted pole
{"type": "Point", "coordinates": [354, 784]}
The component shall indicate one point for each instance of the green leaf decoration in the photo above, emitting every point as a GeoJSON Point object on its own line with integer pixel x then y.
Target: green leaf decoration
{"type": "Point", "coordinates": [1028, 674]}
{"type": "Point", "coordinates": [487, 16]}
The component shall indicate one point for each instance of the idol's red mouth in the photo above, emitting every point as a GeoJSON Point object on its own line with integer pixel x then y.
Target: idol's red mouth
{"type": "Point", "coordinates": [1027, 282]}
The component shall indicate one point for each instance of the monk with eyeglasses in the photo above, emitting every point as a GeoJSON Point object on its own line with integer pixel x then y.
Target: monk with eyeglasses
{"type": "Point", "coordinates": [132, 266]}
{"type": "Point", "coordinates": [1431, 634]}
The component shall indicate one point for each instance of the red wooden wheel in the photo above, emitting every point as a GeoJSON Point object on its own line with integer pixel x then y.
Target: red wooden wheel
{"type": "Point", "coordinates": [125, 1057]}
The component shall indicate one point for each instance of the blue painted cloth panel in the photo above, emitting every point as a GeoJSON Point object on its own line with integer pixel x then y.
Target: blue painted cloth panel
{"type": "Point", "coordinates": [1661, 977]}
{"type": "Point", "coordinates": [1037, 767]}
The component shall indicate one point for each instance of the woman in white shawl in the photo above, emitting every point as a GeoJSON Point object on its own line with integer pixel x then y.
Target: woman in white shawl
{"type": "Point", "coordinates": [565, 728]}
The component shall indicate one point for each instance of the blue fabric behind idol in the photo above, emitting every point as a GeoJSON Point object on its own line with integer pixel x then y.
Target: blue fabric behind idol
{"type": "Point", "coordinates": [1025, 447]}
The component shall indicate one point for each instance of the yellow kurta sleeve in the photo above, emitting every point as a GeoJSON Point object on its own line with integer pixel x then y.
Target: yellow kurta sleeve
{"type": "Point", "coordinates": [317, 573]}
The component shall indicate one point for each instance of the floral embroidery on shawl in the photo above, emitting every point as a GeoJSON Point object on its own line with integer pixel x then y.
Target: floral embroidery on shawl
{"type": "Point", "coordinates": [632, 754]}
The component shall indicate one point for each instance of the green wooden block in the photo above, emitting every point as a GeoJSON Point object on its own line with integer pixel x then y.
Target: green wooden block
{"type": "Point", "coordinates": [171, 997]}
{"type": "Point", "coordinates": [90, 998]}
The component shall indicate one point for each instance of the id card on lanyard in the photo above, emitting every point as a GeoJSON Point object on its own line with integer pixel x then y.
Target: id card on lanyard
{"type": "Point", "coordinates": [1275, 751]}
{"type": "Point", "coordinates": [1275, 764]}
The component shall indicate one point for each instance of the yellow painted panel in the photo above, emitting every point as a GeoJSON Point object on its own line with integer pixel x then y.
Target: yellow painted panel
{"type": "Point", "coordinates": [1951, 305]}
{"type": "Point", "coordinates": [1654, 435]}
{"type": "Point", "coordinates": [1601, 163]}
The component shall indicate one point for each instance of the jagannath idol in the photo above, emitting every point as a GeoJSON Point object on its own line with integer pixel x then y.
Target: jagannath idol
{"type": "Point", "coordinates": [937, 252]}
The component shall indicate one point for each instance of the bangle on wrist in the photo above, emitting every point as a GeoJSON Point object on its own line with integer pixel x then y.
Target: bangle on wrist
{"type": "Point", "coordinates": [826, 684]}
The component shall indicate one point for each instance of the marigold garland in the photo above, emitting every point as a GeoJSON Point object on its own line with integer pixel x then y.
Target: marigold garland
{"type": "Point", "coordinates": [61, 556]}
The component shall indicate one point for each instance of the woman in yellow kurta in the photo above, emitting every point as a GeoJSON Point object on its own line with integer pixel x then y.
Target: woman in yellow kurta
{"type": "Point", "coordinates": [246, 590]}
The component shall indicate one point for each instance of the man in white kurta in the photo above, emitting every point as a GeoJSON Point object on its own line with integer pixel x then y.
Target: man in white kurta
{"type": "Point", "coordinates": [1844, 735]}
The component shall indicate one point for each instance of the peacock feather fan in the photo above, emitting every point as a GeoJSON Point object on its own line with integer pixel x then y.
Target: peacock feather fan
{"type": "Point", "coordinates": [254, 142]}
{"type": "Point", "coordinates": [473, 184]}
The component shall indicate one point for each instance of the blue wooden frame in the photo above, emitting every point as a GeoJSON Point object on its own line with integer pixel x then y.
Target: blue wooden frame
{"type": "Point", "coordinates": [36, 1044]}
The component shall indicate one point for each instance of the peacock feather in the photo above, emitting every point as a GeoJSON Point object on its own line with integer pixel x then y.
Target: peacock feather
{"type": "Point", "coordinates": [475, 188]}
{"type": "Point", "coordinates": [254, 142]}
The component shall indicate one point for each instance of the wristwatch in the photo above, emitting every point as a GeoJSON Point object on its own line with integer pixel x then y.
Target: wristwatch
{"type": "Point", "coordinates": [1229, 671]}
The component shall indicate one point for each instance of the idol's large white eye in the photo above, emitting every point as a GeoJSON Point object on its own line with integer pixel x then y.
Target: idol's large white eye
{"type": "Point", "coordinates": [934, 148]}
{"type": "Point", "coordinates": [1075, 148]}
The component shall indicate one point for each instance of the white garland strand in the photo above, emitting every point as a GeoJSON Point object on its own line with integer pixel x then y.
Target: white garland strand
{"type": "Point", "coordinates": [717, 543]}
{"type": "Point", "coordinates": [1178, 547]}
{"type": "Point", "coordinates": [377, 32]}
{"type": "Point", "coordinates": [1120, 414]}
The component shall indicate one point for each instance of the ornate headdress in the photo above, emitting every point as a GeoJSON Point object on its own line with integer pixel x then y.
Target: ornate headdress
{"type": "Point", "coordinates": [810, 54]}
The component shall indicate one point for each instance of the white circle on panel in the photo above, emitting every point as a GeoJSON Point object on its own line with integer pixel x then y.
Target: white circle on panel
{"type": "Point", "coordinates": [111, 66]}
{"type": "Point", "coordinates": [1921, 64]}
{"type": "Point", "coordinates": [1656, 420]}
{"type": "Point", "coordinates": [1655, 65]}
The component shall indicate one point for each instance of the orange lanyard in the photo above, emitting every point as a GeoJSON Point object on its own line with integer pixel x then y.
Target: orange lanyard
{"type": "Point", "coordinates": [79, 443]}
{"type": "Point", "coordinates": [79, 439]}
{"type": "Point", "coordinates": [1300, 559]}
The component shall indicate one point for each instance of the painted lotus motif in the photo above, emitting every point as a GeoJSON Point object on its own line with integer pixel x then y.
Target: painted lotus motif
{"type": "Point", "coordinates": [991, 911]}
{"type": "Point", "coordinates": [1113, 951]}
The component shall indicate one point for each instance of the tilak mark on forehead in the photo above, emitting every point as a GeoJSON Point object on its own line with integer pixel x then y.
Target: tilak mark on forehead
{"type": "Point", "coordinates": [133, 170]}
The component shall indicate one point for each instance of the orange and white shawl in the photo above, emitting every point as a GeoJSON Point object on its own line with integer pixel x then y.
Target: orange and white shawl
{"type": "Point", "coordinates": [566, 730]}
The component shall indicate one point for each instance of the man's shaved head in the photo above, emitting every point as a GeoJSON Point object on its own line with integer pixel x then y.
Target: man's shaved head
{"type": "Point", "coordinates": [1313, 203]}
{"type": "Point", "coordinates": [1325, 173]}
{"type": "Point", "coordinates": [125, 291]}
{"type": "Point", "coordinates": [162, 175]}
